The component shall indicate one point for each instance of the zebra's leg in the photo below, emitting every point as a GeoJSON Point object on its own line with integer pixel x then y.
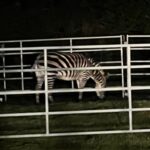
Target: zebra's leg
{"type": "Point", "coordinates": [39, 84]}
{"type": "Point", "coordinates": [50, 86]}
{"type": "Point", "coordinates": [81, 84]}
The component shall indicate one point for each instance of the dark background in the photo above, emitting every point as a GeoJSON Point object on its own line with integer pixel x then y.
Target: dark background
{"type": "Point", "coordinates": [26, 19]}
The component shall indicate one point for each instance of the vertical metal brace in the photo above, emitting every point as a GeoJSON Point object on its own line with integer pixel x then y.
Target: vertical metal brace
{"type": "Point", "coordinates": [46, 93]}
{"type": "Point", "coordinates": [122, 70]}
{"type": "Point", "coordinates": [127, 39]}
{"type": "Point", "coordinates": [21, 59]}
{"type": "Point", "coordinates": [72, 82]}
{"type": "Point", "coordinates": [71, 45]}
{"type": "Point", "coordinates": [129, 87]}
{"type": "Point", "coordinates": [4, 74]}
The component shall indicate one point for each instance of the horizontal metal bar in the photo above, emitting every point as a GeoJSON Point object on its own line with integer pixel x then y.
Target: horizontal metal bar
{"type": "Point", "coordinates": [113, 46]}
{"type": "Point", "coordinates": [90, 50]}
{"type": "Point", "coordinates": [73, 112]}
{"type": "Point", "coordinates": [140, 87]}
{"type": "Point", "coordinates": [140, 74]}
{"type": "Point", "coordinates": [88, 90]}
{"type": "Point", "coordinates": [141, 48]}
{"type": "Point", "coordinates": [25, 78]}
{"type": "Point", "coordinates": [22, 114]}
{"type": "Point", "coordinates": [76, 133]}
{"type": "Point", "coordinates": [140, 109]}
{"type": "Point", "coordinates": [63, 113]}
{"type": "Point", "coordinates": [11, 70]}
{"type": "Point", "coordinates": [24, 53]}
{"type": "Point", "coordinates": [111, 62]}
{"type": "Point", "coordinates": [59, 69]}
{"type": "Point", "coordinates": [87, 111]}
{"type": "Point", "coordinates": [78, 68]}
{"type": "Point", "coordinates": [137, 45]}
{"type": "Point", "coordinates": [98, 37]}
{"type": "Point", "coordinates": [14, 66]}
{"type": "Point", "coordinates": [60, 39]}
{"type": "Point", "coordinates": [20, 92]}
{"type": "Point", "coordinates": [97, 111]}
{"type": "Point", "coordinates": [138, 36]}
{"type": "Point", "coordinates": [28, 78]}
{"type": "Point", "coordinates": [99, 132]}
{"type": "Point", "coordinates": [140, 61]}
{"type": "Point", "coordinates": [68, 90]}
{"type": "Point", "coordinates": [140, 66]}
{"type": "Point", "coordinates": [93, 50]}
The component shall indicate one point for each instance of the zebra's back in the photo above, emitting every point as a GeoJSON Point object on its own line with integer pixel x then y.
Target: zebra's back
{"type": "Point", "coordinates": [63, 60]}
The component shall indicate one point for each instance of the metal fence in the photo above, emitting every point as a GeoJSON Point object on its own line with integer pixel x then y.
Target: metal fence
{"type": "Point", "coordinates": [126, 64]}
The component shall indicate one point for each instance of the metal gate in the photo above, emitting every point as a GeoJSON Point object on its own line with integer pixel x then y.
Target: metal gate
{"type": "Point", "coordinates": [126, 63]}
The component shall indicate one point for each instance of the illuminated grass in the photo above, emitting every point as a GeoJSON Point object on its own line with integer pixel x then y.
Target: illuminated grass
{"type": "Point", "coordinates": [69, 123]}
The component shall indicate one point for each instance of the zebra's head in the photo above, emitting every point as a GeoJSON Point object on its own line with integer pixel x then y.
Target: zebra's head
{"type": "Point", "coordinates": [100, 84]}
{"type": "Point", "coordinates": [100, 78]}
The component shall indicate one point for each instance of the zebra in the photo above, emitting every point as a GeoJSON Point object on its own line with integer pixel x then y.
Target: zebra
{"type": "Point", "coordinates": [68, 60]}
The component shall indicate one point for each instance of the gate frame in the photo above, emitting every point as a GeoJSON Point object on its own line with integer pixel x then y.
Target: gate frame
{"type": "Point", "coordinates": [46, 113]}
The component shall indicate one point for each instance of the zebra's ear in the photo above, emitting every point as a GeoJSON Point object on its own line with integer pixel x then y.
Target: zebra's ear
{"type": "Point", "coordinates": [91, 60]}
{"type": "Point", "coordinates": [99, 64]}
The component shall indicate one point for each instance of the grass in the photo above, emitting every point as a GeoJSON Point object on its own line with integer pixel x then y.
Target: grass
{"type": "Point", "coordinates": [69, 123]}
{"type": "Point", "coordinates": [98, 142]}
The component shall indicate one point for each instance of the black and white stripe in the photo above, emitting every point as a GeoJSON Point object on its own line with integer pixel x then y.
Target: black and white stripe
{"type": "Point", "coordinates": [68, 60]}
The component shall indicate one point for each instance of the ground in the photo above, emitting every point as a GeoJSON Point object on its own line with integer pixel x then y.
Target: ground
{"type": "Point", "coordinates": [98, 142]}
{"type": "Point", "coordinates": [67, 123]}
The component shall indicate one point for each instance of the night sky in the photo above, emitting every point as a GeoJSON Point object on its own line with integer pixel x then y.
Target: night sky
{"type": "Point", "coordinates": [26, 19]}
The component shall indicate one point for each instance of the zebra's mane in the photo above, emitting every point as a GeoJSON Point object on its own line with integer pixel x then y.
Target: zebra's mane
{"type": "Point", "coordinates": [96, 64]}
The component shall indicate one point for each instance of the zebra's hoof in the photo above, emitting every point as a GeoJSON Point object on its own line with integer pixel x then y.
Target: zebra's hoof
{"type": "Point", "coordinates": [101, 97]}
{"type": "Point", "coordinates": [50, 98]}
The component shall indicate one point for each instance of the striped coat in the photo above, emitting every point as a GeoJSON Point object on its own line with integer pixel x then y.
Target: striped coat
{"type": "Point", "coordinates": [68, 60]}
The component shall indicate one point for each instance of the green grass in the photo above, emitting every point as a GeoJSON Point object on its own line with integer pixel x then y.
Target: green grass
{"type": "Point", "coordinates": [63, 123]}
{"type": "Point", "coordinates": [69, 123]}
{"type": "Point", "coordinates": [98, 142]}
